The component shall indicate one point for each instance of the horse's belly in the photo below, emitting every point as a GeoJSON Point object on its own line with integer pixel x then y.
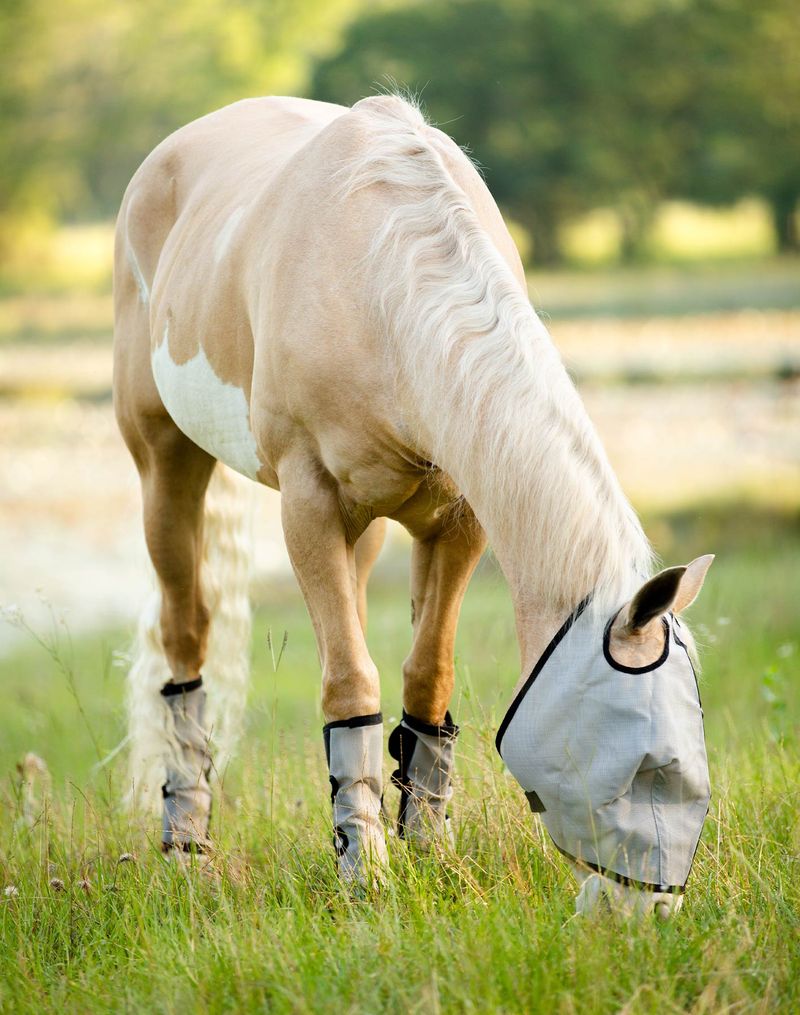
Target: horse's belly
{"type": "Point", "coordinates": [213, 414]}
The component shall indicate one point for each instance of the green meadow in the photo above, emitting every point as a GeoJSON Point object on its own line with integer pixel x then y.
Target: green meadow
{"type": "Point", "coordinates": [94, 919]}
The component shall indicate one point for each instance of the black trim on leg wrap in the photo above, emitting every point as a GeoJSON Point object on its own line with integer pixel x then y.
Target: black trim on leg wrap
{"type": "Point", "coordinates": [402, 744]}
{"type": "Point", "coordinates": [169, 690]}
{"type": "Point", "coordinates": [448, 729]}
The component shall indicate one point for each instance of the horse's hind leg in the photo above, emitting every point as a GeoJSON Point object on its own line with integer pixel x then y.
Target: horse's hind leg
{"type": "Point", "coordinates": [367, 548]}
{"type": "Point", "coordinates": [321, 549]}
{"type": "Point", "coordinates": [174, 489]}
{"type": "Point", "coordinates": [174, 475]}
{"type": "Point", "coordinates": [423, 744]}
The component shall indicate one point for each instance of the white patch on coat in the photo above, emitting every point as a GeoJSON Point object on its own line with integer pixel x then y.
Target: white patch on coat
{"type": "Point", "coordinates": [141, 283]}
{"type": "Point", "coordinates": [225, 235]}
{"type": "Point", "coordinates": [213, 414]}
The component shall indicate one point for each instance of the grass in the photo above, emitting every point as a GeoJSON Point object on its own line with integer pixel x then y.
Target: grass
{"type": "Point", "coordinates": [487, 928]}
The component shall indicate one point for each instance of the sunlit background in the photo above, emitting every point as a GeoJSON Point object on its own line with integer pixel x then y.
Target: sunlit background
{"type": "Point", "coordinates": [646, 154]}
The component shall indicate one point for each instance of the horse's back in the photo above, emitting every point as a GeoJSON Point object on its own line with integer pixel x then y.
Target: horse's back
{"type": "Point", "coordinates": [201, 170]}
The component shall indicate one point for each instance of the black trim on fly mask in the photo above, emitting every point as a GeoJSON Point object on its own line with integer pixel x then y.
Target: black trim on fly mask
{"type": "Point", "coordinates": [622, 879]}
{"type": "Point", "coordinates": [402, 744]}
{"type": "Point", "coordinates": [535, 803]}
{"type": "Point", "coordinates": [537, 669]}
{"type": "Point", "coordinates": [635, 669]}
{"type": "Point", "coordinates": [685, 647]}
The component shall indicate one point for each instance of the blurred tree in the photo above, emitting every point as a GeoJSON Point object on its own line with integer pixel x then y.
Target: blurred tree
{"type": "Point", "coordinates": [90, 86]}
{"type": "Point", "coordinates": [568, 105]}
{"type": "Point", "coordinates": [748, 111]}
{"type": "Point", "coordinates": [571, 106]}
{"type": "Point", "coordinates": [27, 182]}
{"type": "Point", "coordinates": [560, 101]}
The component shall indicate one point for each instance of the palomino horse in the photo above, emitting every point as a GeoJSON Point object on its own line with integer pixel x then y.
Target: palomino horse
{"type": "Point", "coordinates": [327, 300]}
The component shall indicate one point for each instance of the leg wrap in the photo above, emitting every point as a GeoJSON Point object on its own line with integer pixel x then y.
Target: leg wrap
{"type": "Point", "coordinates": [187, 794]}
{"type": "Point", "coordinates": [354, 748]}
{"type": "Point", "coordinates": [425, 756]}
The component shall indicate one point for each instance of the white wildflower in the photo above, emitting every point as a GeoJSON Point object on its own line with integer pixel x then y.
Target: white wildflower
{"type": "Point", "coordinates": [12, 614]}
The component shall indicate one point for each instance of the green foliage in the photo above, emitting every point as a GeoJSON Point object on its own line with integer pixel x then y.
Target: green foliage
{"type": "Point", "coordinates": [89, 87]}
{"type": "Point", "coordinates": [748, 113]}
{"type": "Point", "coordinates": [569, 106]}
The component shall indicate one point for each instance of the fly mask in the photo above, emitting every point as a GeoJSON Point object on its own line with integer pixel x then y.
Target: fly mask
{"type": "Point", "coordinates": [613, 756]}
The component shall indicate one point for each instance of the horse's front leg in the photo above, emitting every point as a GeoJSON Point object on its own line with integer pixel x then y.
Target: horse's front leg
{"type": "Point", "coordinates": [423, 744]}
{"type": "Point", "coordinates": [321, 547]}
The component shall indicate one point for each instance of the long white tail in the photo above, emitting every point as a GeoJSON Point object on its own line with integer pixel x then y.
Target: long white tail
{"type": "Point", "coordinates": [226, 573]}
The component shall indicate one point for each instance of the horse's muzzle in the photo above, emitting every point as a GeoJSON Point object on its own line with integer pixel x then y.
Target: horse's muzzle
{"type": "Point", "coordinates": [599, 894]}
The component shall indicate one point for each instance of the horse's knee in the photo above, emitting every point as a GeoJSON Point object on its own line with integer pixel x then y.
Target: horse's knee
{"type": "Point", "coordinates": [427, 689]}
{"type": "Point", "coordinates": [350, 691]}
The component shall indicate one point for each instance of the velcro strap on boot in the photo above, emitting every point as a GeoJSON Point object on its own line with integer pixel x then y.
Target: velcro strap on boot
{"type": "Point", "coordinates": [424, 752]}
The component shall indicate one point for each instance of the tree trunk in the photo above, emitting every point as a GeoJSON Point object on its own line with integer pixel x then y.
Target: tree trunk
{"type": "Point", "coordinates": [783, 205]}
{"type": "Point", "coordinates": [543, 228]}
{"type": "Point", "coordinates": [636, 219]}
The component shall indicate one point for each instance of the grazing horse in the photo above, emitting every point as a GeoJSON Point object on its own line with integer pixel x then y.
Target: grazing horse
{"type": "Point", "coordinates": [327, 301]}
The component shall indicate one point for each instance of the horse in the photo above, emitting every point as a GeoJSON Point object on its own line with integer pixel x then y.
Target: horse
{"type": "Point", "coordinates": [326, 300]}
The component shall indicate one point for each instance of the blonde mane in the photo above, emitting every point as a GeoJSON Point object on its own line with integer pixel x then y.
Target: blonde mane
{"type": "Point", "coordinates": [493, 406]}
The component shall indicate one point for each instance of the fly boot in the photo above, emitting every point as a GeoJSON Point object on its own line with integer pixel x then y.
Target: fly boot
{"type": "Point", "coordinates": [187, 794]}
{"type": "Point", "coordinates": [354, 749]}
{"type": "Point", "coordinates": [425, 755]}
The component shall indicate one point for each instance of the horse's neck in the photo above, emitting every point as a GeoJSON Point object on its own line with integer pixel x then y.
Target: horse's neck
{"type": "Point", "coordinates": [481, 389]}
{"type": "Point", "coordinates": [503, 419]}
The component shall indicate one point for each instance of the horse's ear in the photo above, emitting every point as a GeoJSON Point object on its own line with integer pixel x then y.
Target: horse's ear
{"type": "Point", "coordinates": [692, 582]}
{"type": "Point", "coordinates": [654, 598]}
{"type": "Point", "coordinates": [672, 589]}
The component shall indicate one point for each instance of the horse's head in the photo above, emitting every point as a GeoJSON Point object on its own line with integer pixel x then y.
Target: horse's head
{"type": "Point", "coordinates": [606, 738]}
